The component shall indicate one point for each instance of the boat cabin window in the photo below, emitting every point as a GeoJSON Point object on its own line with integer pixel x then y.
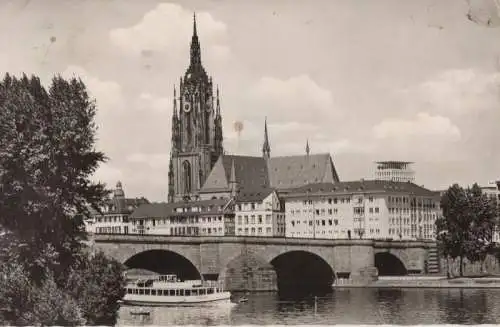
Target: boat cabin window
{"type": "Point", "coordinates": [203, 291]}
{"type": "Point", "coordinates": [141, 292]}
{"type": "Point", "coordinates": [129, 290]}
{"type": "Point", "coordinates": [188, 292]}
{"type": "Point", "coordinates": [194, 292]}
{"type": "Point", "coordinates": [153, 292]}
{"type": "Point", "coordinates": [147, 291]}
{"type": "Point", "coordinates": [136, 291]}
{"type": "Point", "coordinates": [171, 292]}
{"type": "Point", "coordinates": [210, 291]}
{"type": "Point", "coordinates": [159, 292]}
{"type": "Point", "coordinates": [181, 292]}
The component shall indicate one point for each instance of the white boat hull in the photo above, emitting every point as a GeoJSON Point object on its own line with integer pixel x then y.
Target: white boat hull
{"type": "Point", "coordinates": [159, 300]}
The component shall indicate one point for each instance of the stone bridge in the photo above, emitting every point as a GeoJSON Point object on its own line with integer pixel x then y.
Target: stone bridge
{"type": "Point", "coordinates": [263, 263]}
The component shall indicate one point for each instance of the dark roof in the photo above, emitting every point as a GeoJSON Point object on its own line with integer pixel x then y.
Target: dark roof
{"type": "Point", "coordinates": [162, 210]}
{"type": "Point", "coordinates": [121, 205]}
{"type": "Point", "coordinates": [295, 171]}
{"type": "Point", "coordinates": [363, 186]}
{"type": "Point", "coordinates": [259, 195]}
{"type": "Point", "coordinates": [251, 172]}
{"type": "Point", "coordinates": [256, 174]}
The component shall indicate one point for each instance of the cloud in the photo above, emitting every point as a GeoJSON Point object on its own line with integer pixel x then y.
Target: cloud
{"type": "Point", "coordinates": [459, 91]}
{"type": "Point", "coordinates": [108, 94]}
{"type": "Point", "coordinates": [148, 102]}
{"type": "Point", "coordinates": [108, 174]}
{"type": "Point", "coordinates": [423, 125]}
{"type": "Point", "coordinates": [298, 92]}
{"type": "Point", "coordinates": [153, 160]}
{"type": "Point", "coordinates": [426, 137]}
{"type": "Point", "coordinates": [168, 27]}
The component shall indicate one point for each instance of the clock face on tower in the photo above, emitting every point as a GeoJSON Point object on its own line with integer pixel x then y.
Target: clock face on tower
{"type": "Point", "coordinates": [187, 107]}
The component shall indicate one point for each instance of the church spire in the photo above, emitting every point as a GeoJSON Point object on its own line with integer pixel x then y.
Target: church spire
{"type": "Point", "coordinates": [232, 180]}
{"type": "Point", "coordinates": [175, 103]}
{"type": "Point", "coordinates": [195, 45]}
{"type": "Point", "coordinates": [194, 24]}
{"type": "Point", "coordinates": [217, 111]}
{"type": "Point", "coordinates": [266, 148]}
{"type": "Point", "coordinates": [307, 147]}
{"type": "Point", "coordinates": [175, 125]}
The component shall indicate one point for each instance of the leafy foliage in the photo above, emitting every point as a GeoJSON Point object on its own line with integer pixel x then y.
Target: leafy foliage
{"type": "Point", "coordinates": [466, 228]}
{"type": "Point", "coordinates": [47, 156]}
{"type": "Point", "coordinates": [99, 298]}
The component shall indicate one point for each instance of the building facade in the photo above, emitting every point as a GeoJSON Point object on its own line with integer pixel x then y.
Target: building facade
{"type": "Point", "coordinates": [395, 171]}
{"type": "Point", "coordinates": [114, 215]}
{"type": "Point", "coordinates": [362, 209]}
{"type": "Point", "coordinates": [260, 214]}
{"type": "Point", "coordinates": [192, 218]}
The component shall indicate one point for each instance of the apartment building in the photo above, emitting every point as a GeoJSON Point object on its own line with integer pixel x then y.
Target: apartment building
{"type": "Point", "coordinates": [260, 214]}
{"type": "Point", "coordinates": [371, 209]}
{"type": "Point", "coordinates": [190, 218]}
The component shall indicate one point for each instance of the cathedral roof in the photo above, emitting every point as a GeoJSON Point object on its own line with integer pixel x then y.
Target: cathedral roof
{"type": "Point", "coordinates": [256, 174]}
{"type": "Point", "coordinates": [294, 171]}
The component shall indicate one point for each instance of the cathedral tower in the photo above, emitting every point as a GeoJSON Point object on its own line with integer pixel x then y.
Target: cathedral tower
{"type": "Point", "coordinates": [196, 129]}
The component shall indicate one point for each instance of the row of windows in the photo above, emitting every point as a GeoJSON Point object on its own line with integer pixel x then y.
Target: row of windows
{"type": "Point", "coordinates": [199, 209]}
{"type": "Point", "coordinates": [413, 220]}
{"type": "Point", "coordinates": [330, 211]}
{"type": "Point", "coordinates": [407, 210]}
{"type": "Point", "coordinates": [177, 292]}
{"type": "Point", "coordinates": [409, 231]}
{"type": "Point", "coordinates": [111, 219]}
{"type": "Point", "coordinates": [321, 222]}
{"type": "Point", "coordinates": [179, 220]}
{"type": "Point", "coordinates": [252, 219]}
{"type": "Point", "coordinates": [112, 230]}
{"type": "Point", "coordinates": [329, 200]}
{"type": "Point", "coordinates": [252, 231]}
{"type": "Point", "coordinates": [252, 206]}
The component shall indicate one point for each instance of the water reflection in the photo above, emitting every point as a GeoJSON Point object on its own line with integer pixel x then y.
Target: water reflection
{"type": "Point", "coordinates": [465, 306]}
{"type": "Point", "coordinates": [341, 306]}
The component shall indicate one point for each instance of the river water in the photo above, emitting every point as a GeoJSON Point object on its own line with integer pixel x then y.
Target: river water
{"type": "Point", "coordinates": [341, 306]}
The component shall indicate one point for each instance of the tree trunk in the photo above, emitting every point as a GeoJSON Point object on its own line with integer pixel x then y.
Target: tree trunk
{"type": "Point", "coordinates": [461, 266]}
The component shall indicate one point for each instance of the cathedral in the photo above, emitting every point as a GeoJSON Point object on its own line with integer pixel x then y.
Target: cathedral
{"type": "Point", "coordinates": [199, 169]}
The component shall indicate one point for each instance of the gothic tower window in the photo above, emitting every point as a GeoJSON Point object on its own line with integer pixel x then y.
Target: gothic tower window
{"type": "Point", "coordinates": [186, 173]}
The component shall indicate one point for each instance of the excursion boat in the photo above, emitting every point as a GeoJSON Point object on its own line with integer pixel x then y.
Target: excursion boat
{"type": "Point", "coordinates": [164, 290]}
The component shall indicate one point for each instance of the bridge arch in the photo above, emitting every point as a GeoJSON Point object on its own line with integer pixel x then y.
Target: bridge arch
{"type": "Point", "coordinates": [300, 271]}
{"type": "Point", "coordinates": [389, 264]}
{"type": "Point", "coordinates": [159, 261]}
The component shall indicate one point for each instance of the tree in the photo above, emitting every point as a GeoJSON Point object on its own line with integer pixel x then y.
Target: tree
{"type": "Point", "coordinates": [484, 214]}
{"type": "Point", "coordinates": [98, 283]}
{"type": "Point", "coordinates": [47, 157]}
{"type": "Point", "coordinates": [466, 228]}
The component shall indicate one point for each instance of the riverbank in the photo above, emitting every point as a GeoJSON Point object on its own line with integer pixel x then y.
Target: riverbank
{"type": "Point", "coordinates": [425, 282]}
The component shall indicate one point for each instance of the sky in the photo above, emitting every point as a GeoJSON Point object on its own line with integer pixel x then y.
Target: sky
{"type": "Point", "coordinates": [362, 80]}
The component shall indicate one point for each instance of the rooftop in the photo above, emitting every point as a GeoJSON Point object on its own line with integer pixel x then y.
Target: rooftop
{"type": "Point", "coordinates": [163, 210]}
{"type": "Point", "coordinates": [363, 186]}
